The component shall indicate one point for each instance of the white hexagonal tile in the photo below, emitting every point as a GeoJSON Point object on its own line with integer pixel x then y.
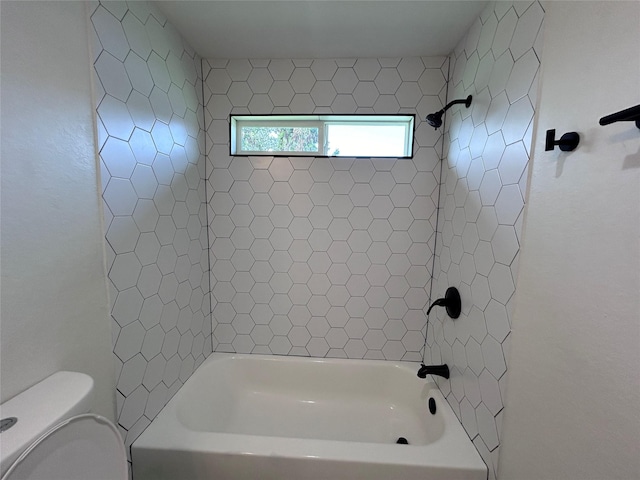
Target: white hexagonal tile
{"type": "Point", "coordinates": [299, 336]}
{"type": "Point", "coordinates": [387, 81]}
{"type": "Point", "coordinates": [483, 258]}
{"type": "Point", "coordinates": [358, 284]}
{"type": "Point", "coordinates": [323, 93]}
{"type": "Point", "coordinates": [324, 69]}
{"type": "Point", "coordinates": [513, 163]}
{"type": "Point", "coordinates": [517, 120]}
{"type": "Point", "coordinates": [493, 356]}
{"type": "Point", "coordinates": [504, 33]}
{"type": "Point", "coordinates": [176, 98]}
{"type": "Point", "coordinates": [501, 283]}
{"type": "Point", "coordinates": [218, 81]}
{"type": "Point", "coordinates": [365, 94]}
{"type": "Point", "coordinates": [345, 80]}
{"type": "Point", "coordinates": [500, 74]}
{"type": "Point", "coordinates": [238, 69]}
{"type": "Point", "coordinates": [260, 80]}
{"type": "Point", "coordinates": [497, 321]}
{"type": "Point", "coordinates": [396, 308]}
{"type": "Point", "coordinates": [480, 291]}
{"type": "Point", "coordinates": [262, 293]}
{"type": "Point", "coordinates": [123, 234]}
{"type": "Point", "coordinates": [470, 70]}
{"type": "Point", "coordinates": [302, 103]}
{"type": "Point", "coordinates": [361, 195]}
{"type": "Point", "coordinates": [116, 118]}
{"type": "Point", "coordinates": [172, 371]}
{"type": "Point", "coordinates": [260, 104]}
{"type": "Point", "coordinates": [133, 407]}
{"type": "Point", "coordinates": [355, 348]}
{"type": "Point", "coordinates": [376, 297]}
{"type": "Point", "coordinates": [281, 170]}
{"type": "Point", "coordinates": [240, 168]}
{"type": "Point", "coordinates": [302, 80]}
{"type": "Point", "coordinates": [110, 33]}
{"type": "Point", "coordinates": [359, 241]}
{"type": "Point", "coordinates": [386, 104]}
{"type": "Point", "coordinates": [281, 69]}
{"type": "Point", "coordinates": [509, 204]}
{"type": "Point", "coordinates": [393, 350]}
{"type": "Point", "coordinates": [522, 76]}
{"type": "Point", "coordinates": [410, 69]}
{"type": "Point", "coordinates": [127, 307]}
{"type": "Point", "coordinates": [471, 388]}
{"type": "Point", "coordinates": [113, 76]}
{"type": "Point", "coordinates": [125, 271]}
{"type": "Point", "coordinates": [129, 341]}
{"type": "Point", "coordinates": [161, 106]}
{"type": "Point", "coordinates": [505, 244]}
{"type": "Point", "coordinates": [490, 392]}
{"type": "Point", "coordinates": [340, 206]}
{"type": "Point", "coordinates": [149, 280]}
{"type": "Point", "coordinates": [151, 311]}
{"type": "Point", "coordinates": [526, 30]}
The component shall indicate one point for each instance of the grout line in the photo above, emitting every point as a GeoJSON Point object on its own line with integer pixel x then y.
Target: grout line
{"type": "Point", "coordinates": [435, 236]}
{"type": "Point", "coordinates": [206, 202]}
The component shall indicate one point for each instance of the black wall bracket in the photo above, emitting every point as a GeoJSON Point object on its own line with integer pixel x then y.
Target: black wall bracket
{"type": "Point", "coordinates": [567, 143]}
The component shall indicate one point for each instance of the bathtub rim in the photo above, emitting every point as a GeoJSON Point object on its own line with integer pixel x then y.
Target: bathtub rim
{"type": "Point", "coordinates": [453, 450]}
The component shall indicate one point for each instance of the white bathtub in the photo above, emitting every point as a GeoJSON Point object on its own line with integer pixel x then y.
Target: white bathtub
{"type": "Point", "coordinates": [267, 417]}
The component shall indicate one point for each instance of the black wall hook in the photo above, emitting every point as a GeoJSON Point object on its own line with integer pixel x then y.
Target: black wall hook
{"type": "Point", "coordinates": [567, 143]}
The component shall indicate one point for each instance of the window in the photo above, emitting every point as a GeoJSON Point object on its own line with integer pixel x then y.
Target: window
{"type": "Point", "coordinates": [323, 135]}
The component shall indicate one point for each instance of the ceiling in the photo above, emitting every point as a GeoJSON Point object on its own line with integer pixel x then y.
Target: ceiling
{"type": "Point", "coordinates": [321, 28]}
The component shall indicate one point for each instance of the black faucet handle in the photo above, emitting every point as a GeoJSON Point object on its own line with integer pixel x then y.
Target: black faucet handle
{"type": "Point", "coordinates": [451, 302]}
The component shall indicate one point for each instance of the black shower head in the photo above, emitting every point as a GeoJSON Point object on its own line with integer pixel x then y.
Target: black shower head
{"type": "Point", "coordinates": [435, 119]}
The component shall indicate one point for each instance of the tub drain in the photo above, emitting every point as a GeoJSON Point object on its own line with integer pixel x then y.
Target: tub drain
{"type": "Point", "coordinates": [402, 441]}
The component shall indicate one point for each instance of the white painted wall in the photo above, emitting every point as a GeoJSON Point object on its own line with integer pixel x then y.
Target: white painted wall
{"type": "Point", "coordinates": [54, 299]}
{"type": "Point", "coordinates": [573, 389]}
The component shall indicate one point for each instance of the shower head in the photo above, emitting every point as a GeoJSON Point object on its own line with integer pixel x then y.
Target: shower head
{"type": "Point", "coordinates": [435, 119]}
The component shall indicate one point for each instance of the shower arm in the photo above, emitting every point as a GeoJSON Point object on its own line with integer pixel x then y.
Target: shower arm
{"type": "Point", "coordinates": [466, 101]}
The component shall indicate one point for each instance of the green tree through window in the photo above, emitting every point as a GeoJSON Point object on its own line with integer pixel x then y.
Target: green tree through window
{"type": "Point", "coordinates": [280, 139]}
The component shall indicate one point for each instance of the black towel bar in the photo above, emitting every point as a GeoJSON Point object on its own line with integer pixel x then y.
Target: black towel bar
{"type": "Point", "coordinates": [627, 115]}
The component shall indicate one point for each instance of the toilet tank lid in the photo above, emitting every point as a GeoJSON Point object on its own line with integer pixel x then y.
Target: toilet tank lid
{"type": "Point", "coordinates": [47, 403]}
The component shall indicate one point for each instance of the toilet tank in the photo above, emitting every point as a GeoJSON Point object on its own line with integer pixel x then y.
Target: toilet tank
{"type": "Point", "coordinates": [37, 409]}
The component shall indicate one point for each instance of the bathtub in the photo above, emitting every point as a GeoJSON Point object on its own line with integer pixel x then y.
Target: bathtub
{"type": "Point", "coordinates": [280, 418]}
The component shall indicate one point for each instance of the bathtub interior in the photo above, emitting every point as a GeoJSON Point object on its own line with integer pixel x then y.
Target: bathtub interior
{"type": "Point", "coordinates": [254, 416]}
{"type": "Point", "coordinates": [317, 399]}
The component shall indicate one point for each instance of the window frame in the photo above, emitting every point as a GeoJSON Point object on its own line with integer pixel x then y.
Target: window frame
{"type": "Point", "coordinates": [236, 122]}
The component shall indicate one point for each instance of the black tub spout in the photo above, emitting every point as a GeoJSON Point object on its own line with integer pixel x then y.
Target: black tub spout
{"type": "Point", "coordinates": [440, 370]}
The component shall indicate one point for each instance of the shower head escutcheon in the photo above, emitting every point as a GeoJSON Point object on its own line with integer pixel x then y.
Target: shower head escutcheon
{"type": "Point", "coordinates": [435, 119]}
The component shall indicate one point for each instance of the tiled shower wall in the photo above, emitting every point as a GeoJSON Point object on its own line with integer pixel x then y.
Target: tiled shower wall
{"type": "Point", "coordinates": [322, 256]}
{"type": "Point", "coordinates": [150, 126]}
{"type": "Point", "coordinates": [482, 198]}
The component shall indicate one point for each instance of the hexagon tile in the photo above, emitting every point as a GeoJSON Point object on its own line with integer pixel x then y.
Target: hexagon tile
{"type": "Point", "coordinates": [322, 256]}
{"type": "Point", "coordinates": [482, 198]}
{"type": "Point", "coordinates": [148, 84]}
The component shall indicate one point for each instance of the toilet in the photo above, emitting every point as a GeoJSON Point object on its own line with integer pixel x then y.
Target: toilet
{"type": "Point", "coordinates": [48, 434]}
